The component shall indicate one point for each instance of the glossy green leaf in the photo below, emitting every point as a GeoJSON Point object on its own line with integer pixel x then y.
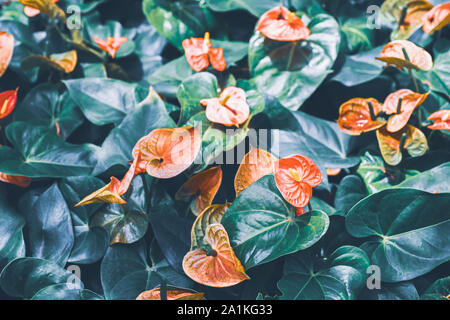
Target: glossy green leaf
{"type": "Point", "coordinates": [46, 106]}
{"type": "Point", "coordinates": [36, 274]}
{"type": "Point", "coordinates": [90, 242]}
{"type": "Point", "coordinates": [255, 7]}
{"type": "Point", "coordinates": [408, 229]}
{"type": "Point", "coordinates": [49, 230]}
{"type": "Point", "coordinates": [360, 68]}
{"type": "Point", "coordinates": [199, 86]}
{"type": "Point", "coordinates": [39, 153]}
{"type": "Point", "coordinates": [292, 71]}
{"type": "Point", "coordinates": [127, 270]}
{"type": "Point", "coordinates": [439, 290]}
{"type": "Point", "coordinates": [101, 100]}
{"type": "Point", "coordinates": [64, 291]}
{"type": "Point", "coordinates": [262, 226]}
{"type": "Point", "coordinates": [12, 244]}
{"type": "Point", "coordinates": [117, 147]}
{"type": "Point", "coordinates": [177, 20]}
{"type": "Point", "coordinates": [124, 225]}
{"type": "Point", "coordinates": [393, 291]}
{"type": "Point", "coordinates": [350, 190]}
{"type": "Point", "coordinates": [338, 277]}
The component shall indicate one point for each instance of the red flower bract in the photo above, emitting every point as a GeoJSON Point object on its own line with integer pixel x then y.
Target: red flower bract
{"type": "Point", "coordinates": [441, 120]}
{"type": "Point", "coordinates": [295, 176]}
{"type": "Point", "coordinates": [437, 18]}
{"type": "Point", "coordinates": [8, 101]}
{"type": "Point", "coordinates": [111, 45]}
{"type": "Point", "coordinates": [283, 25]}
{"type": "Point", "coordinates": [230, 109]}
{"type": "Point", "coordinates": [199, 54]}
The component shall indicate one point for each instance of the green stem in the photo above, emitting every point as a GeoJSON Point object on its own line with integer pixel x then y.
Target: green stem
{"type": "Point", "coordinates": [147, 193]}
{"type": "Point", "coordinates": [414, 80]}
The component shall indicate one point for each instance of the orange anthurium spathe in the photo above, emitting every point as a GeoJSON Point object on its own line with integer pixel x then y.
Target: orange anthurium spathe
{"type": "Point", "coordinates": [218, 268]}
{"type": "Point", "coordinates": [6, 50]}
{"type": "Point", "coordinates": [168, 152]}
{"type": "Point", "coordinates": [405, 54]}
{"type": "Point", "coordinates": [172, 294]}
{"type": "Point", "coordinates": [295, 176]}
{"type": "Point", "coordinates": [8, 101]}
{"type": "Point", "coordinates": [32, 12]}
{"type": "Point", "coordinates": [441, 120]}
{"type": "Point", "coordinates": [359, 115]}
{"type": "Point", "coordinates": [230, 109]}
{"type": "Point", "coordinates": [204, 185]}
{"type": "Point", "coordinates": [437, 18]}
{"type": "Point", "coordinates": [17, 180]}
{"type": "Point", "coordinates": [108, 194]}
{"type": "Point", "coordinates": [255, 165]}
{"type": "Point", "coordinates": [282, 25]}
{"type": "Point", "coordinates": [112, 192]}
{"type": "Point", "coordinates": [110, 45]}
{"type": "Point", "coordinates": [401, 104]}
{"type": "Point", "coordinates": [199, 54]}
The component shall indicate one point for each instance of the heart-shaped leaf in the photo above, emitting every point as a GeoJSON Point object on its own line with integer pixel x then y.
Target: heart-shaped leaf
{"type": "Point", "coordinates": [262, 226]}
{"type": "Point", "coordinates": [117, 147]}
{"type": "Point", "coordinates": [90, 242]}
{"type": "Point", "coordinates": [50, 231]}
{"type": "Point", "coordinates": [64, 291]}
{"type": "Point", "coordinates": [39, 153]}
{"type": "Point", "coordinates": [126, 271]}
{"type": "Point", "coordinates": [36, 273]}
{"type": "Point", "coordinates": [103, 101]}
{"type": "Point", "coordinates": [292, 71]}
{"type": "Point", "coordinates": [439, 290]}
{"type": "Point", "coordinates": [337, 277]}
{"type": "Point", "coordinates": [12, 244]}
{"type": "Point", "coordinates": [44, 105]}
{"type": "Point", "coordinates": [406, 242]}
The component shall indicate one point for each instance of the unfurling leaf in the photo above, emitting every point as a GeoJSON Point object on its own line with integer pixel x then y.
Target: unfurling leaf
{"type": "Point", "coordinates": [204, 186]}
{"type": "Point", "coordinates": [107, 194]}
{"type": "Point", "coordinates": [217, 268]}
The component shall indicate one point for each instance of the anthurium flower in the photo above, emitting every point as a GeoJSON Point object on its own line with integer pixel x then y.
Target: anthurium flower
{"type": "Point", "coordinates": [172, 294]}
{"type": "Point", "coordinates": [112, 192]}
{"type": "Point", "coordinates": [6, 50]}
{"type": "Point", "coordinates": [333, 171]}
{"type": "Point", "coordinates": [217, 268]}
{"type": "Point", "coordinates": [401, 104]}
{"type": "Point", "coordinates": [441, 120]}
{"type": "Point", "coordinates": [255, 165]}
{"type": "Point", "coordinates": [212, 214]}
{"type": "Point", "coordinates": [392, 144]}
{"type": "Point", "coordinates": [230, 109]}
{"type": "Point", "coordinates": [299, 211]}
{"type": "Point", "coordinates": [108, 194]}
{"type": "Point", "coordinates": [405, 54]}
{"type": "Point", "coordinates": [168, 152]}
{"type": "Point", "coordinates": [199, 54]}
{"type": "Point", "coordinates": [204, 186]}
{"type": "Point", "coordinates": [20, 181]}
{"type": "Point", "coordinates": [360, 115]}
{"type": "Point", "coordinates": [437, 18]}
{"type": "Point", "coordinates": [111, 45]}
{"type": "Point", "coordinates": [283, 25]}
{"type": "Point", "coordinates": [8, 101]}
{"type": "Point", "coordinates": [32, 12]}
{"type": "Point", "coordinates": [295, 176]}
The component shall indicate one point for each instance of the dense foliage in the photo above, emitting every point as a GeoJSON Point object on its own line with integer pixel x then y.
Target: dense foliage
{"type": "Point", "coordinates": [339, 109]}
